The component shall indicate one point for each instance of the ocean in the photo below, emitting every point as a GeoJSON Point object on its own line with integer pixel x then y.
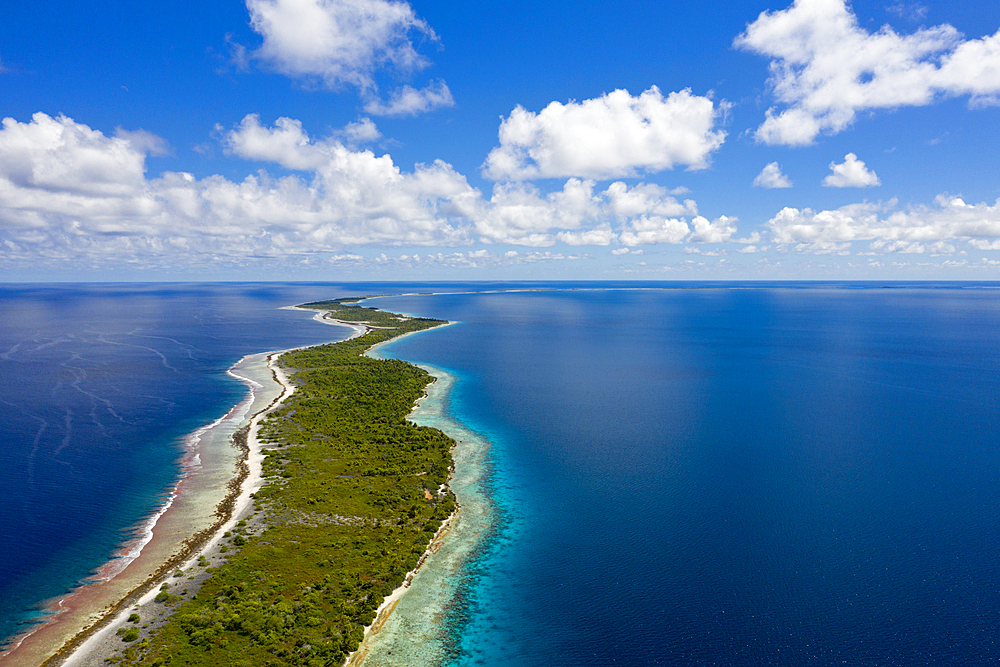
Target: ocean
{"type": "Point", "coordinates": [739, 475]}
{"type": "Point", "coordinates": [710, 474]}
{"type": "Point", "coordinates": [99, 385]}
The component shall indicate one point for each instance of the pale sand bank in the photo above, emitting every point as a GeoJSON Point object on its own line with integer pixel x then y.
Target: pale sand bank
{"type": "Point", "coordinates": [412, 629]}
{"type": "Point", "coordinates": [94, 613]}
{"type": "Point", "coordinates": [80, 630]}
{"type": "Point", "coordinates": [104, 643]}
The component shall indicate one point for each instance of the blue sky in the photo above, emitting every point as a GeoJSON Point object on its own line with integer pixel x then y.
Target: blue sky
{"type": "Point", "coordinates": [372, 139]}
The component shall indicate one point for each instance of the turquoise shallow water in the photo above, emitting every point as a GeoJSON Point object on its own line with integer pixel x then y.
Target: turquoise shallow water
{"type": "Point", "coordinates": [420, 630]}
{"type": "Point", "coordinates": [728, 474]}
{"type": "Point", "coordinates": [100, 385]}
{"type": "Point", "coordinates": [792, 475]}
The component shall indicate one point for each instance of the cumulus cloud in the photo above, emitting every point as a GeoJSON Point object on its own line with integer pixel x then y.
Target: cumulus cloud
{"type": "Point", "coordinates": [337, 42]}
{"type": "Point", "coordinates": [615, 135]}
{"type": "Point", "coordinates": [825, 68]}
{"type": "Point", "coordinates": [932, 229]}
{"type": "Point", "coordinates": [654, 229]}
{"type": "Point", "coordinates": [76, 186]}
{"type": "Point", "coordinates": [601, 236]}
{"type": "Point", "coordinates": [719, 230]}
{"type": "Point", "coordinates": [407, 101]}
{"type": "Point", "coordinates": [517, 213]}
{"type": "Point", "coordinates": [145, 142]}
{"type": "Point", "coordinates": [851, 173]}
{"type": "Point", "coordinates": [70, 192]}
{"type": "Point", "coordinates": [771, 177]}
{"type": "Point", "coordinates": [649, 230]}
{"type": "Point", "coordinates": [286, 144]}
{"type": "Point", "coordinates": [59, 156]}
{"type": "Point", "coordinates": [627, 202]}
{"type": "Point", "coordinates": [362, 131]}
{"type": "Point", "coordinates": [472, 259]}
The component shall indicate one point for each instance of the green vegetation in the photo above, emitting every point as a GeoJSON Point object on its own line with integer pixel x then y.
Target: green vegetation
{"type": "Point", "coordinates": [353, 494]}
{"type": "Point", "coordinates": [129, 634]}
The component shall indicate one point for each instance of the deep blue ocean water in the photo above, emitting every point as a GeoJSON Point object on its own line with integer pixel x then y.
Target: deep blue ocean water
{"type": "Point", "coordinates": [720, 475]}
{"type": "Point", "coordinates": [98, 386]}
{"type": "Point", "coordinates": [782, 475]}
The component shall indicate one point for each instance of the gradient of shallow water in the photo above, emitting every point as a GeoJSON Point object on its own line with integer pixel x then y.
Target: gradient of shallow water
{"type": "Point", "coordinates": [728, 476]}
{"type": "Point", "coordinates": [99, 385]}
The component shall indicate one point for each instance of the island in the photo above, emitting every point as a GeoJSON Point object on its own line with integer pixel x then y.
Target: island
{"type": "Point", "coordinates": [351, 499]}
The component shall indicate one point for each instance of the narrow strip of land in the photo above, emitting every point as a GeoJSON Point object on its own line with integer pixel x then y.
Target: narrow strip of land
{"type": "Point", "coordinates": [351, 495]}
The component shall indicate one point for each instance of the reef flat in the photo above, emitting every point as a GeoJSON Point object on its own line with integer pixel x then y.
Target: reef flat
{"type": "Point", "coordinates": [352, 496]}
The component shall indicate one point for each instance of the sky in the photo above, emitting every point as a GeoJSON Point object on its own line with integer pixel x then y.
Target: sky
{"type": "Point", "coordinates": [386, 140]}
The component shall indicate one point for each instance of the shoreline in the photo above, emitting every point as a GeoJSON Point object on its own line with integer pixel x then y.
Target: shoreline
{"type": "Point", "coordinates": [389, 602]}
{"type": "Point", "coordinates": [101, 643]}
{"type": "Point", "coordinates": [89, 606]}
{"type": "Point", "coordinates": [96, 641]}
{"type": "Point", "coordinates": [167, 539]}
{"type": "Point", "coordinates": [413, 629]}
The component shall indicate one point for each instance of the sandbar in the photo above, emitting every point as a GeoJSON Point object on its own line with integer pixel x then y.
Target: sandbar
{"type": "Point", "coordinates": [213, 493]}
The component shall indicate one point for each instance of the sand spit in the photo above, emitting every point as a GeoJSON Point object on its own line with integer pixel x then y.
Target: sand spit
{"type": "Point", "coordinates": [207, 501]}
{"type": "Point", "coordinates": [205, 491]}
{"type": "Point", "coordinates": [172, 552]}
{"type": "Point", "coordinates": [191, 569]}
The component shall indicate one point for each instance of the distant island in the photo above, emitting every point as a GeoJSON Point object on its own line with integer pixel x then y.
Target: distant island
{"type": "Point", "coordinates": [351, 498]}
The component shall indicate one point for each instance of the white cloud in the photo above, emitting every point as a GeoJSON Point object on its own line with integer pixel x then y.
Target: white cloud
{"type": "Point", "coordinates": [59, 156]}
{"type": "Point", "coordinates": [290, 146]}
{"type": "Point", "coordinates": [615, 135]}
{"type": "Point", "coordinates": [518, 213]}
{"type": "Point", "coordinates": [982, 244]}
{"type": "Point", "coordinates": [68, 192]}
{"type": "Point", "coordinates": [620, 251]}
{"type": "Point", "coordinates": [913, 247]}
{"type": "Point", "coordinates": [335, 42]}
{"type": "Point", "coordinates": [407, 101]}
{"type": "Point", "coordinates": [653, 229]}
{"type": "Point", "coordinates": [600, 236]}
{"type": "Point", "coordinates": [286, 144]}
{"type": "Point", "coordinates": [912, 12]}
{"type": "Point", "coordinates": [627, 202]}
{"type": "Point", "coordinates": [472, 259]}
{"type": "Point", "coordinates": [771, 177]}
{"type": "Point", "coordinates": [851, 173]}
{"type": "Point", "coordinates": [919, 229]}
{"type": "Point", "coordinates": [719, 230]}
{"type": "Point", "coordinates": [145, 142]}
{"type": "Point", "coordinates": [825, 68]}
{"type": "Point", "coordinates": [75, 187]}
{"type": "Point", "coordinates": [362, 131]}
